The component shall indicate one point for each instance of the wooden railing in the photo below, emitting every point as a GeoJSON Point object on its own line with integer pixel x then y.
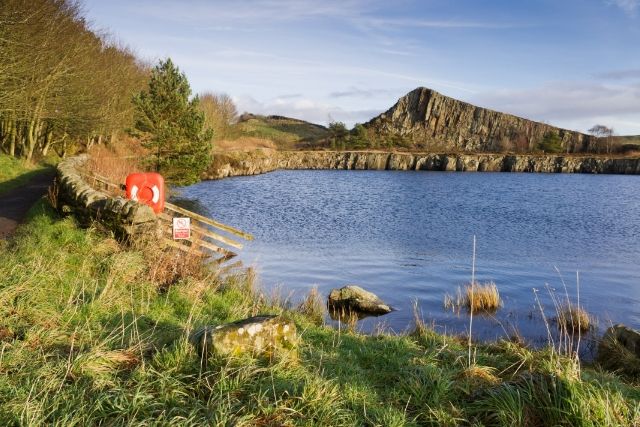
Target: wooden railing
{"type": "Point", "coordinates": [205, 234]}
{"type": "Point", "coordinates": [206, 239]}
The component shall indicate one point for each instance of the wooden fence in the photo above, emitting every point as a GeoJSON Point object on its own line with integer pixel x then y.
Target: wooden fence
{"type": "Point", "coordinates": [206, 239]}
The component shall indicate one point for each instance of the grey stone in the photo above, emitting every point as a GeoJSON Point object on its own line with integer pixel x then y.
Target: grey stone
{"type": "Point", "coordinates": [352, 298]}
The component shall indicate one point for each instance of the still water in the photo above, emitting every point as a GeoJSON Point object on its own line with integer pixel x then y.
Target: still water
{"type": "Point", "coordinates": [407, 236]}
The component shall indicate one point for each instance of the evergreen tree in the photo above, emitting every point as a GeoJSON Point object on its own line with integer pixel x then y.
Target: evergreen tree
{"type": "Point", "coordinates": [338, 133]}
{"type": "Point", "coordinates": [359, 138]}
{"type": "Point", "coordinates": [551, 143]}
{"type": "Point", "coordinates": [172, 126]}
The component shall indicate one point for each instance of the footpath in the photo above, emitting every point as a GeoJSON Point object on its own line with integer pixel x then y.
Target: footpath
{"type": "Point", "coordinates": [15, 203]}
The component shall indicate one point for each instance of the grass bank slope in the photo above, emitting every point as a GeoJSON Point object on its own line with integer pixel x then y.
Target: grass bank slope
{"type": "Point", "coordinates": [16, 172]}
{"type": "Point", "coordinates": [93, 333]}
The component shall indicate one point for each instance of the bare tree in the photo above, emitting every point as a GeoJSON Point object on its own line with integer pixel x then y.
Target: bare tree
{"type": "Point", "coordinates": [220, 113]}
{"type": "Point", "coordinates": [604, 135]}
{"type": "Point", "coordinates": [60, 82]}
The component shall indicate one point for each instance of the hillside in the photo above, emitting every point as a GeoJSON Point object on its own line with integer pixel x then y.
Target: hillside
{"type": "Point", "coordinates": [425, 119]}
{"type": "Point", "coordinates": [257, 131]}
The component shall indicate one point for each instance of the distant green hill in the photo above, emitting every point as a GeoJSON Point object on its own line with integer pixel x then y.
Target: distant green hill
{"type": "Point", "coordinates": [284, 132]}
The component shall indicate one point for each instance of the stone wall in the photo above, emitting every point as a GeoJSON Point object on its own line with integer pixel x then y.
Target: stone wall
{"type": "Point", "coordinates": [252, 163]}
{"type": "Point", "coordinates": [127, 219]}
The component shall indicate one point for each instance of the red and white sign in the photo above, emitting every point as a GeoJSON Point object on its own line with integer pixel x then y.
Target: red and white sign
{"type": "Point", "coordinates": [181, 228]}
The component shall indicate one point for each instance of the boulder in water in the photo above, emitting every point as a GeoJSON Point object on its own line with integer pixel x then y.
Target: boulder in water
{"type": "Point", "coordinates": [352, 298]}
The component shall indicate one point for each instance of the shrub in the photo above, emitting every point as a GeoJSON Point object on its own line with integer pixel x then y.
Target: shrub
{"type": "Point", "coordinates": [551, 143]}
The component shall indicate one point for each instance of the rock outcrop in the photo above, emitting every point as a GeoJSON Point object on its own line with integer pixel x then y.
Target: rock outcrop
{"type": "Point", "coordinates": [354, 299]}
{"type": "Point", "coordinates": [425, 118]}
{"type": "Point", "coordinates": [252, 163]}
{"type": "Point", "coordinates": [260, 335]}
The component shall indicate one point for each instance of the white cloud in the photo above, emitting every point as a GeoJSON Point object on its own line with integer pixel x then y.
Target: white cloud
{"type": "Point", "coordinates": [304, 109]}
{"type": "Point", "coordinates": [572, 105]}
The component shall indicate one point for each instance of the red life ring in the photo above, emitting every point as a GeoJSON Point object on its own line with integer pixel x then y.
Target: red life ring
{"type": "Point", "coordinates": [147, 188]}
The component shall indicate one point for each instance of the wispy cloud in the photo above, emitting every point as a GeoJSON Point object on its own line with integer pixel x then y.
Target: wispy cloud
{"type": "Point", "coordinates": [228, 13]}
{"type": "Point", "coordinates": [620, 74]}
{"type": "Point", "coordinates": [290, 96]}
{"type": "Point", "coordinates": [438, 24]}
{"type": "Point", "coordinates": [355, 92]}
{"type": "Point", "coordinates": [629, 6]}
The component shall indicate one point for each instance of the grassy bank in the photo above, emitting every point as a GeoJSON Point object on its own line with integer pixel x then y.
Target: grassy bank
{"type": "Point", "coordinates": [15, 172]}
{"type": "Point", "coordinates": [94, 333]}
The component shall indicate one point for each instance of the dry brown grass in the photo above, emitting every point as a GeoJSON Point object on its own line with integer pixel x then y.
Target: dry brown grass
{"type": "Point", "coordinates": [313, 306]}
{"type": "Point", "coordinates": [478, 376]}
{"type": "Point", "coordinates": [245, 143]}
{"type": "Point", "coordinates": [573, 319]}
{"type": "Point", "coordinates": [116, 161]}
{"type": "Point", "coordinates": [169, 266]}
{"type": "Point", "coordinates": [479, 298]}
{"type": "Point", "coordinates": [483, 297]}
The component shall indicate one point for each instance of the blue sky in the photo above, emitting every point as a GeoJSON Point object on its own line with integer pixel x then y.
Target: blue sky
{"type": "Point", "coordinates": [566, 62]}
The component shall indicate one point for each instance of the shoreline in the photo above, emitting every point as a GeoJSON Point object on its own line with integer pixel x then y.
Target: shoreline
{"type": "Point", "coordinates": [246, 163]}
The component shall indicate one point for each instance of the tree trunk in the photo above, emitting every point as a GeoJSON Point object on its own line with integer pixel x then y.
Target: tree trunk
{"type": "Point", "coordinates": [12, 139]}
{"type": "Point", "coordinates": [31, 140]}
{"type": "Point", "coordinates": [48, 138]}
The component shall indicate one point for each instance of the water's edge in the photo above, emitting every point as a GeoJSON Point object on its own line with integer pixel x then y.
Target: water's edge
{"type": "Point", "coordinates": [262, 161]}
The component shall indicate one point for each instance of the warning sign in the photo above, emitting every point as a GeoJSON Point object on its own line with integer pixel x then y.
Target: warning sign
{"type": "Point", "coordinates": [181, 228]}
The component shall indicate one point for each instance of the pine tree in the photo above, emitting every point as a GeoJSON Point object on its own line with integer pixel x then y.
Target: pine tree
{"type": "Point", "coordinates": [551, 143]}
{"type": "Point", "coordinates": [171, 125]}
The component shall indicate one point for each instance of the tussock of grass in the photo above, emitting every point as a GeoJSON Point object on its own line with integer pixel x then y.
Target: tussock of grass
{"type": "Point", "coordinates": [83, 343]}
{"type": "Point", "coordinates": [573, 319]}
{"type": "Point", "coordinates": [477, 298]}
{"type": "Point", "coordinates": [483, 297]}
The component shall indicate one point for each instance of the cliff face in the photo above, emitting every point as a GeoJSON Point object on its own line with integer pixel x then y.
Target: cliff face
{"type": "Point", "coordinates": [237, 164]}
{"type": "Point", "coordinates": [426, 118]}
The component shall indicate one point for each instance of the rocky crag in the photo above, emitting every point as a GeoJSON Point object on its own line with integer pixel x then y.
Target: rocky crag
{"type": "Point", "coordinates": [257, 162]}
{"type": "Point", "coordinates": [425, 118]}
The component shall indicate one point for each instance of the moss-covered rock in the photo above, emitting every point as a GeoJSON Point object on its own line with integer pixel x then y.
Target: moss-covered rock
{"type": "Point", "coordinates": [260, 335]}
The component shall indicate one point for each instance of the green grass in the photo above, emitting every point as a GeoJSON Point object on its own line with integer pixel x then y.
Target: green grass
{"type": "Point", "coordinates": [87, 339]}
{"type": "Point", "coordinates": [16, 172]}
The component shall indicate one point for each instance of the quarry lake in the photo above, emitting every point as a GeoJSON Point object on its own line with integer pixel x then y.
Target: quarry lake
{"type": "Point", "coordinates": [407, 236]}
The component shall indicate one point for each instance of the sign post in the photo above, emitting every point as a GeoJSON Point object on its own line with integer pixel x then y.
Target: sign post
{"type": "Point", "coordinates": [181, 228]}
